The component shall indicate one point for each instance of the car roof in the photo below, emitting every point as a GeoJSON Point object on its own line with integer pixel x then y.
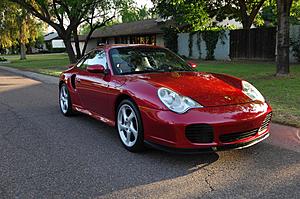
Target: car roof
{"type": "Point", "coordinates": [111, 46]}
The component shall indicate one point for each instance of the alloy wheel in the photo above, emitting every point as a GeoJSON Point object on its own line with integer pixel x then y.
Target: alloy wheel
{"type": "Point", "coordinates": [64, 99]}
{"type": "Point", "coordinates": [127, 125]}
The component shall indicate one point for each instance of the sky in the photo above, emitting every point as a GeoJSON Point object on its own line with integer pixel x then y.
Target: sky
{"type": "Point", "coordinates": [148, 3]}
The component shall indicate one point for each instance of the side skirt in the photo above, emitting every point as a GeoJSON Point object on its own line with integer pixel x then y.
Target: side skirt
{"type": "Point", "coordinates": [95, 115]}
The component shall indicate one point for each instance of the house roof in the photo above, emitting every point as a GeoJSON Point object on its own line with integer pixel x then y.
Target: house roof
{"type": "Point", "coordinates": [50, 36]}
{"type": "Point", "coordinates": [149, 26]}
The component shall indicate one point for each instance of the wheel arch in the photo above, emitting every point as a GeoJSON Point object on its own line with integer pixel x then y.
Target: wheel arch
{"type": "Point", "coordinates": [61, 82]}
{"type": "Point", "coordinates": [119, 99]}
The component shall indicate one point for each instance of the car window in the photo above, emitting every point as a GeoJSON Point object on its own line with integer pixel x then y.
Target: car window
{"type": "Point", "coordinates": [93, 58]}
{"type": "Point", "coordinates": [133, 60]}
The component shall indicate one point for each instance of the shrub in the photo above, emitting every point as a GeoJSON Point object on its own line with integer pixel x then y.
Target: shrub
{"type": "Point", "coordinates": [2, 59]}
{"type": "Point", "coordinates": [296, 49]}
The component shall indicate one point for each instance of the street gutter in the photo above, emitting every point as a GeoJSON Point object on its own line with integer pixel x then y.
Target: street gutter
{"type": "Point", "coordinates": [36, 76]}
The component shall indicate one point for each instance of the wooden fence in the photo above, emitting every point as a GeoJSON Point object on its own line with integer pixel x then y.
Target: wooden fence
{"type": "Point", "coordinates": [254, 44]}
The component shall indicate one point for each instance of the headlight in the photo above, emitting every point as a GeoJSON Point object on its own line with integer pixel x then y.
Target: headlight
{"type": "Point", "coordinates": [252, 92]}
{"type": "Point", "coordinates": [176, 102]}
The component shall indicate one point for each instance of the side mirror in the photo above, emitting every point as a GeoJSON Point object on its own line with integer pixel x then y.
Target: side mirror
{"type": "Point", "coordinates": [97, 68]}
{"type": "Point", "coordinates": [192, 64]}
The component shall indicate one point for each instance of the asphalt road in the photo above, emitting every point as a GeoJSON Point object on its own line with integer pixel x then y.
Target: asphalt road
{"type": "Point", "coordinates": [46, 155]}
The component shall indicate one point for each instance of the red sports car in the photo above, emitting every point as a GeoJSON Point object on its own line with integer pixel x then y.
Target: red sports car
{"type": "Point", "coordinates": [154, 97]}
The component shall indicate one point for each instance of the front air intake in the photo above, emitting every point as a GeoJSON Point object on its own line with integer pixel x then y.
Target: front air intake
{"type": "Point", "coordinates": [199, 133]}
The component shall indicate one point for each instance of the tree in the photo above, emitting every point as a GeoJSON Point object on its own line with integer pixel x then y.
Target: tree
{"type": "Point", "coordinates": [65, 16]}
{"type": "Point", "coordinates": [197, 13]}
{"type": "Point", "coordinates": [17, 27]}
{"type": "Point", "coordinates": [131, 12]}
{"type": "Point", "coordinates": [244, 11]}
{"type": "Point", "coordinates": [190, 14]}
{"type": "Point", "coordinates": [283, 36]}
{"type": "Point", "coordinates": [269, 13]}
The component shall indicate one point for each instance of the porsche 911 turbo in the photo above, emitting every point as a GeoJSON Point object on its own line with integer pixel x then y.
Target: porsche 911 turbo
{"type": "Point", "coordinates": [153, 97]}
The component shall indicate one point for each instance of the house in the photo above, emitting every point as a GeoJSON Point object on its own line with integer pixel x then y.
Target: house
{"type": "Point", "coordinates": [148, 31]}
{"type": "Point", "coordinates": [53, 43]}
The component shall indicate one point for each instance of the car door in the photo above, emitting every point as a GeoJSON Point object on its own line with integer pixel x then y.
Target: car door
{"type": "Point", "coordinates": [92, 87]}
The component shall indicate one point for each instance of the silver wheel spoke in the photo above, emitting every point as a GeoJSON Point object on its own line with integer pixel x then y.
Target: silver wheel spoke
{"type": "Point", "coordinates": [128, 134]}
{"type": "Point", "coordinates": [121, 126]}
{"type": "Point", "coordinates": [133, 130]}
{"type": "Point", "coordinates": [131, 116]}
{"type": "Point", "coordinates": [65, 93]}
{"type": "Point", "coordinates": [64, 104]}
{"type": "Point", "coordinates": [127, 125]}
{"type": "Point", "coordinates": [124, 114]}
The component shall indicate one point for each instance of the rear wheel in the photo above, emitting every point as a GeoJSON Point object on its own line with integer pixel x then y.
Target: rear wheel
{"type": "Point", "coordinates": [129, 126]}
{"type": "Point", "coordinates": [65, 100]}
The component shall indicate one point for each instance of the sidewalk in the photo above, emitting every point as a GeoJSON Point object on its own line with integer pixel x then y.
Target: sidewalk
{"type": "Point", "coordinates": [40, 77]}
{"type": "Point", "coordinates": [284, 136]}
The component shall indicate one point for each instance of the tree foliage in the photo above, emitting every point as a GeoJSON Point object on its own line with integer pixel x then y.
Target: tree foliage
{"type": "Point", "coordinates": [244, 11]}
{"type": "Point", "coordinates": [17, 27]}
{"type": "Point", "coordinates": [199, 13]}
{"type": "Point", "coordinates": [131, 12]}
{"type": "Point", "coordinates": [269, 13]}
{"type": "Point", "coordinates": [66, 16]}
{"type": "Point", "coordinates": [191, 14]}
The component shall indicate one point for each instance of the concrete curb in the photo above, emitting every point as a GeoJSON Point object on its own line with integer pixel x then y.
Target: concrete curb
{"type": "Point", "coordinates": [39, 77]}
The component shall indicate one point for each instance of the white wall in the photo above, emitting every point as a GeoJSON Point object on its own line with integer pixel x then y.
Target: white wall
{"type": "Point", "coordinates": [91, 45]}
{"type": "Point", "coordinates": [221, 52]}
{"type": "Point", "coordinates": [183, 44]}
{"type": "Point", "coordinates": [58, 43]}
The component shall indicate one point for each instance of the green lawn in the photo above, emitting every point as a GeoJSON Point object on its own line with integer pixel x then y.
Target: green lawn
{"type": "Point", "coordinates": [49, 64]}
{"type": "Point", "coordinates": [283, 93]}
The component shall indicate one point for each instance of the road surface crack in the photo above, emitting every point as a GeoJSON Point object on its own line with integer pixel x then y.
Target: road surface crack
{"type": "Point", "coordinates": [206, 179]}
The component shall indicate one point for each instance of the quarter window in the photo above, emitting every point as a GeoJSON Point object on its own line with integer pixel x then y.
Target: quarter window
{"type": "Point", "coordinates": [95, 57]}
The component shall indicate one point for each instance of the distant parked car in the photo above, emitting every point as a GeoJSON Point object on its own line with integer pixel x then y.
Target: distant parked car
{"type": "Point", "coordinates": [154, 97]}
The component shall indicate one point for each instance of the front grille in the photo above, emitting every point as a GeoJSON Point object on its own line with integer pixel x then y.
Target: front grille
{"type": "Point", "coordinates": [237, 136]}
{"type": "Point", "coordinates": [266, 122]}
{"type": "Point", "coordinates": [199, 133]}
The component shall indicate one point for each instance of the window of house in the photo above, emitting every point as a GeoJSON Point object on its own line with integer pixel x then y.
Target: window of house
{"type": "Point", "coordinates": [143, 39]}
{"type": "Point", "coordinates": [121, 40]}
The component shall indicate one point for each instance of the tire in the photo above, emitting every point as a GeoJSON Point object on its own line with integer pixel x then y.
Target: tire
{"type": "Point", "coordinates": [129, 126]}
{"type": "Point", "coordinates": [65, 103]}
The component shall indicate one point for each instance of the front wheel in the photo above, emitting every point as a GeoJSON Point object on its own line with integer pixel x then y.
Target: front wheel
{"type": "Point", "coordinates": [129, 126]}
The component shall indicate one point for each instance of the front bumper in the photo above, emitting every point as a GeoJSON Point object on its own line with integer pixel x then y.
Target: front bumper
{"type": "Point", "coordinates": [168, 129]}
{"type": "Point", "coordinates": [241, 145]}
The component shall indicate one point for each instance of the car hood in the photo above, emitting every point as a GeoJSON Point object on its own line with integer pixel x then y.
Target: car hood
{"type": "Point", "coordinates": [206, 88]}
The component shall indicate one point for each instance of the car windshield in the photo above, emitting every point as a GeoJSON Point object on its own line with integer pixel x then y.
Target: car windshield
{"type": "Point", "coordinates": [134, 60]}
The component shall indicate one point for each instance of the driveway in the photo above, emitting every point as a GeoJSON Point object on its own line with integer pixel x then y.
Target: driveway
{"type": "Point", "coordinates": [46, 155]}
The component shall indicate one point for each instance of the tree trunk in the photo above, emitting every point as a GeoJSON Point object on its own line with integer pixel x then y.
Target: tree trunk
{"type": "Point", "coordinates": [77, 47]}
{"type": "Point", "coordinates": [87, 39]}
{"type": "Point", "coordinates": [70, 51]}
{"type": "Point", "coordinates": [22, 51]}
{"type": "Point", "coordinates": [283, 37]}
{"type": "Point", "coordinates": [246, 23]}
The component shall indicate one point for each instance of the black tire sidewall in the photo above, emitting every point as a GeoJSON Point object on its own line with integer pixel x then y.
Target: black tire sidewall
{"type": "Point", "coordinates": [139, 144]}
